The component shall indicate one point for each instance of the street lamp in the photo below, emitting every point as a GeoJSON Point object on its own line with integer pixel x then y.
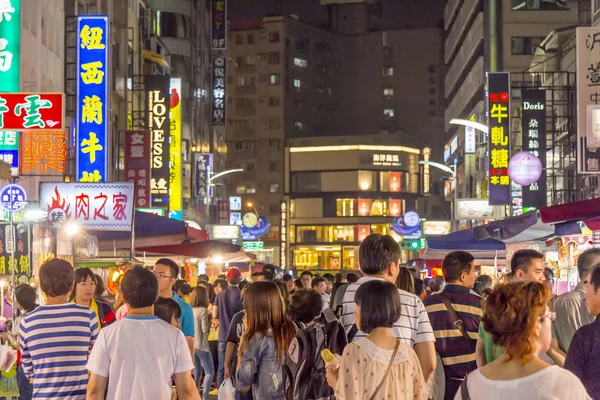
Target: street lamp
{"type": "Point", "coordinates": [452, 172]}
{"type": "Point", "coordinates": [471, 124]}
{"type": "Point", "coordinates": [210, 180]}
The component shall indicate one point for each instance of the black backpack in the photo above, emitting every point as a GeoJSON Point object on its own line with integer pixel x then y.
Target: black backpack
{"type": "Point", "coordinates": [304, 369]}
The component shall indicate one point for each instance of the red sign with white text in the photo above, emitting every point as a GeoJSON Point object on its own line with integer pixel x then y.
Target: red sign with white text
{"type": "Point", "coordinates": [137, 165]}
{"type": "Point", "coordinates": [32, 111]}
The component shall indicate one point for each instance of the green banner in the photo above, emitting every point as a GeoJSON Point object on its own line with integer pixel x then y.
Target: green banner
{"type": "Point", "coordinates": [10, 45]}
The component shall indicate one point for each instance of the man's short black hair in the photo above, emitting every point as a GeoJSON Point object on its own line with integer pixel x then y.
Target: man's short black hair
{"type": "Point", "coordinates": [486, 281]}
{"type": "Point", "coordinates": [222, 283]}
{"type": "Point", "coordinates": [26, 297]}
{"type": "Point", "coordinates": [376, 253]}
{"type": "Point", "coordinates": [316, 280]}
{"type": "Point", "coordinates": [380, 305]}
{"type": "Point", "coordinates": [419, 287]}
{"type": "Point", "coordinates": [306, 273]}
{"type": "Point", "coordinates": [139, 287]}
{"type": "Point", "coordinates": [455, 264]}
{"type": "Point", "coordinates": [182, 286]}
{"type": "Point", "coordinates": [305, 305]}
{"type": "Point", "coordinates": [522, 259]}
{"type": "Point", "coordinates": [352, 277]}
{"type": "Point", "coordinates": [594, 277]}
{"type": "Point", "coordinates": [203, 277]}
{"type": "Point", "coordinates": [587, 261]}
{"type": "Point", "coordinates": [339, 277]}
{"type": "Point", "coordinates": [56, 277]}
{"type": "Point", "coordinates": [329, 277]}
{"type": "Point", "coordinates": [174, 268]}
{"type": "Point", "coordinates": [288, 277]}
{"type": "Point", "coordinates": [166, 309]}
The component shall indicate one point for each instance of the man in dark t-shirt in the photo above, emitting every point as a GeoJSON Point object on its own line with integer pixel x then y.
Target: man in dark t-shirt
{"type": "Point", "coordinates": [236, 330]}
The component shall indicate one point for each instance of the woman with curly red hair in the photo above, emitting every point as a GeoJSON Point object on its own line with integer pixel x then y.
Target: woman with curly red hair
{"type": "Point", "coordinates": [519, 320]}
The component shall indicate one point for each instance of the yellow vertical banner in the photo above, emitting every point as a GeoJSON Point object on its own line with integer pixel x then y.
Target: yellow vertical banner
{"type": "Point", "coordinates": [175, 150]}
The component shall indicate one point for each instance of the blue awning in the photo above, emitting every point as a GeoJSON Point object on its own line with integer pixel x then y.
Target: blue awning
{"type": "Point", "coordinates": [464, 240]}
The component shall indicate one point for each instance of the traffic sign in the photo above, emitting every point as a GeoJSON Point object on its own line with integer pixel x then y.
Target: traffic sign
{"type": "Point", "coordinates": [13, 198]}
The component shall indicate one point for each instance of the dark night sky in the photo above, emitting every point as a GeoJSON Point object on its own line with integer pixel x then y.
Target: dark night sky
{"type": "Point", "coordinates": [397, 14]}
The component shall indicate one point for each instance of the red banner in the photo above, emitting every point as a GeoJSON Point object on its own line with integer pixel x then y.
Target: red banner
{"type": "Point", "coordinates": [43, 153]}
{"type": "Point", "coordinates": [32, 111]}
{"type": "Point", "coordinates": [137, 164]}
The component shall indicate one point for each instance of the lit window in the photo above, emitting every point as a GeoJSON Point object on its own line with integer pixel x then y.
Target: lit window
{"type": "Point", "coordinates": [274, 79]}
{"type": "Point", "coordinates": [388, 112]}
{"type": "Point", "coordinates": [251, 189]}
{"type": "Point", "coordinates": [240, 189]}
{"type": "Point", "coordinates": [298, 125]}
{"type": "Point", "coordinates": [297, 83]}
{"type": "Point", "coordinates": [388, 71]}
{"type": "Point", "coordinates": [388, 92]}
{"type": "Point", "coordinates": [274, 188]}
{"type": "Point", "coordinates": [298, 62]}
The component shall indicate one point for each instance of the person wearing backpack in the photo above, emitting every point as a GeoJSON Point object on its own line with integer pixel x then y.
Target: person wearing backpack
{"type": "Point", "coordinates": [379, 366]}
{"type": "Point", "coordinates": [269, 332]}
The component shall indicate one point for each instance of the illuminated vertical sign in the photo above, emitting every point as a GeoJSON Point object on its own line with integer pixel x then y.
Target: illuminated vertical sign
{"type": "Point", "coordinates": [470, 140]}
{"type": "Point", "coordinates": [92, 98]}
{"type": "Point", "coordinates": [219, 77]}
{"type": "Point", "coordinates": [533, 126]}
{"type": "Point", "coordinates": [202, 173]}
{"type": "Point", "coordinates": [283, 235]}
{"type": "Point", "coordinates": [218, 34]}
{"type": "Point", "coordinates": [43, 153]}
{"type": "Point", "coordinates": [157, 117]}
{"type": "Point", "coordinates": [175, 168]}
{"type": "Point", "coordinates": [137, 165]}
{"type": "Point", "coordinates": [426, 173]}
{"type": "Point", "coordinates": [10, 45]}
{"type": "Point", "coordinates": [498, 108]}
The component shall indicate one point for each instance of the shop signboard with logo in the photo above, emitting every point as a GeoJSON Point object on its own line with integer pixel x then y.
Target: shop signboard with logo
{"type": "Point", "coordinates": [137, 164]}
{"type": "Point", "coordinates": [436, 228]}
{"type": "Point", "coordinates": [498, 107]}
{"type": "Point", "coordinates": [409, 226]}
{"type": "Point", "coordinates": [253, 227]}
{"type": "Point", "coordinates": [470, 209]}
{"type": "Point", "coordinates": [203, 163]}
{"type": "Point", "coordinates": [43, 153]}
{"type": "Point", "coordinates": [10, 47]}
{"type": "Point", "coordinates": [219, 79]}
{"type": "Point", "coordinates": [224, 232]}
{"type": "Point", "coordinates": [533, 125]}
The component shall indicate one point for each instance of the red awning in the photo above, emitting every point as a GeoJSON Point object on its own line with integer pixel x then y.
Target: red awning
{"type": "Point", "coordinates": [579, 211]}
{"type": "Point", "coordinates": [194, 249]}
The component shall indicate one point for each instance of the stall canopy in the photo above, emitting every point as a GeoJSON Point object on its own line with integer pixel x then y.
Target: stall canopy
{"type": "Point", "coordinates": [150, 230]}
{"type": "Point", "coordinates": [482, 250]}
{"type": "Point", "coordinates": [194, 249]}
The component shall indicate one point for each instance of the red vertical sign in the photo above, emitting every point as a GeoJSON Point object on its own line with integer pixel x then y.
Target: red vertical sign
{"type": "Point", "coordinates": [223, 217]}
{"type": "Point", "coordinates": [137, 165]}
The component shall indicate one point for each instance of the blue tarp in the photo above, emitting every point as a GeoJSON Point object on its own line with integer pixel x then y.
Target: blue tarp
{"type": "Point", "coordinates": [146, 225]}
{"type": "Point", "coordinates": [464, 240]}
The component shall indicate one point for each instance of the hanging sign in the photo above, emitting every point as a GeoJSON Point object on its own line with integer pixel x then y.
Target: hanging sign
{"type": "Point", "coordinates": [93, 206]}
{"type": "Point", "coordinates": [10, 45]}
{"type": "Point", "coordinates": [21, 261]}
{"type": "Point", "coordinates": [218, 25]}
{"type": "Point", "coordinates": [219, 76]}
{"type": "Point", "coordinates": [93, 44]}
{"type": "Point", "coordinates": [533, 126]}
{"type": "Point", "coordinates": [203, 164]}
{"type": "Point", "coordinates": [498, 105]}
{"type": "Point", "coordinates": [175, 167]}
{"type": "Point", "coordinates": [137, 164]}
{"type": "Point", "coordinates": [43, 153]}
{"type": "Point", "coordinates": [31, 111]}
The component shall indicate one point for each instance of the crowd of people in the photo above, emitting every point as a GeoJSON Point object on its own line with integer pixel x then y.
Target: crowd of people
{"type": "Point", "coordinates": [389, 335]}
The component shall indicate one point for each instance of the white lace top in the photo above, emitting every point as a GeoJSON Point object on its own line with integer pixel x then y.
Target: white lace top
{"type": "Point", "coordinates": [363, 367]}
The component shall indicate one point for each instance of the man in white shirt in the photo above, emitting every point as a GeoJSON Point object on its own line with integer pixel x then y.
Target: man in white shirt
{"type": "Point", "coordinates": [320, 286]}
{"type": "Point", "coordinates": [139, 356]}
{"type": "Point", "coordinates": [378, 259]}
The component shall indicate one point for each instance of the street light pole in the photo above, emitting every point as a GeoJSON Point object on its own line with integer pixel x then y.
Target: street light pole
{"type": "Point", "coordinates": [210, 179]}
{"type": "Point", "coordinates": [452, 172]}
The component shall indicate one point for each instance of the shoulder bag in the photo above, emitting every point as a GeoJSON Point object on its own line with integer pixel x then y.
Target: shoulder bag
{"type": "Point", "coordinates": [456, 321]}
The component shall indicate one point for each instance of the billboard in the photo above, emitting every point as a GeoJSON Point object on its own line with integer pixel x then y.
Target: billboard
{"type": "Point", "coordinates": [31, 111]}
{"type": "Point", "coordinates": [218, 19]}
{"type": "Point", "coordinates": [157, 117]}
{"type": "Point", "coordinates": [43, 153]}
{"type": "Point", "coordinates": [588, 100]}
{"type": "Point", "coordinates": [533, 125]}
{"type": "Point", "coordinates": [219, 77]}
{"type": "Point", "coordinates": [94, 206]}
{"type": "Point", "coordinates": [137, 165]}
{"type": "Point", "coordinates": [176, 168]}
{"type": "Point", "coordinates": [92, 122]}
{"type": "Point", "coordinates": [10, 46]}
{"type": "Point", "coordinates": [498, 108]}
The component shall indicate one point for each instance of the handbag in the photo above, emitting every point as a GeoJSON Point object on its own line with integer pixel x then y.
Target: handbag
{"type": "Point", "coordinates": [387, 371]}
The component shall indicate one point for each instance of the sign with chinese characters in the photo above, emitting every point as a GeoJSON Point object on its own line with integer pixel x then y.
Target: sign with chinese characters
{"type": "Point", "coordinates": [13, 198]}
{"type": "Point", "coordinates": [588, 100]}
{"type": "Point", "coordinates": [219, 25]}
{"type": "Point", "coordinates": [9, 148]}
{"type": "Point", "coordinates": [235, 203]}
{"type": "Point", "coordinates": [31, 111]}
{"type": "Point", "coordinates": [21, 249]}
{"type": "Point", "coordinates": [93, 206]}
{"type": "Point", "coordinates": [43, 153]}
{"type": "Point", "coordinates": [137, 165]}
{"type": "Point", "coordinates": [157, 117]}
{"type": "Point", "coordinates": [470, 139]}
{"type": "Point", "coordinates": [155, 211]}
{"type": "Point", "coordinates": [93, 44]}
{"type": "Point", "coordinates": [498, 107]}
{"type": "Point", "coordinates": [474, 209]}
{"type": "Point", "coordinates": [516, 196]}
{"type": "Point", "coordinates": [382, 159]}
{"type": "Point", "coordinates": [175, 168]}
{"type": "Point", "coordinates": [10, 45]}
{"type": "Point", "coordinates": [224, 232]}
{"type": "Point", "coordinates": [283, 235]}
{"type": "Point", "coordinates": [250, 246]}
{"type": "Point", "coordinates": [533, 125]}
{"type": "Point", "coordinates": [426, 172]}
{"type": "Point", "coordinates": [219, 77]}
{"type": "Point", "coordinates": [436, 228]}
{"type": "Point", "coordinates": [223, 212]}
{"type": "Point", "coordinates": [202, 175]}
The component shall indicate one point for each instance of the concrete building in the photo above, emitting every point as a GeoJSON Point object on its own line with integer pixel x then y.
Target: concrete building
{"type": "Point", "coordinates": [491, 36]}
{"type": "Point", "coordinates": [291, 80]}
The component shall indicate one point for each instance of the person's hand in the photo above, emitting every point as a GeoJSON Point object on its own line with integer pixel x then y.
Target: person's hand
{"type": "Point", "coordinates": [332, 372]}
{"type": "Point", "coordinates": [228, 371]}
{"type": "Point", "coordinates": [4, 336]}
{"type": "Point", "coordinates": [215, 323]}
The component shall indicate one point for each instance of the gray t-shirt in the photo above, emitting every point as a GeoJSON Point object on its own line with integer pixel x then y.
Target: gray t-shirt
{"type": "Point", "coordinates": [571, 314]}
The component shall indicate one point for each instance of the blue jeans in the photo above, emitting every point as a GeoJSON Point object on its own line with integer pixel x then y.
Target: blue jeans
{"type": "Point", "coordinates": [203, 361]}
{"type": "Point", "coordinates": [25, 387]}
{"type": "Point", "coordinates": [221, 371]}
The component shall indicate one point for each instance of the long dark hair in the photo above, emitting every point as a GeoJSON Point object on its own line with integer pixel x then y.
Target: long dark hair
{"type": "Point", "coordinates": [265, 312]}
{"type": "Point", "coordinates": [199, 297]}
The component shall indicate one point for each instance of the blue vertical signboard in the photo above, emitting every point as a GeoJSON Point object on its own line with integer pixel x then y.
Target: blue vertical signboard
{"type": "Point", "coordinates": [202, 175]}
{"type": "Point", "coordinates": [92, 98]}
